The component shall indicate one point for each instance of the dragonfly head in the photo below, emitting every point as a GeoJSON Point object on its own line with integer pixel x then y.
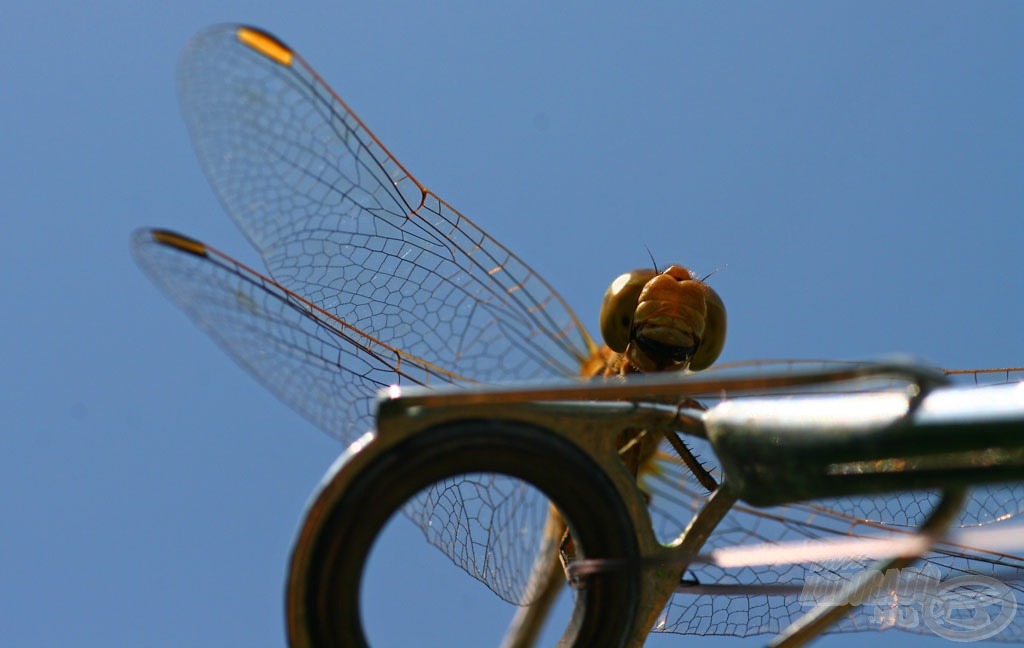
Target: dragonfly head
{"type": "Point", "coordinates": [664, 321]}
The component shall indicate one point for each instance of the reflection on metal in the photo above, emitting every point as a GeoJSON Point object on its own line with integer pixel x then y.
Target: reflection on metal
{"type": "Point", "coordinates": [562, 439]}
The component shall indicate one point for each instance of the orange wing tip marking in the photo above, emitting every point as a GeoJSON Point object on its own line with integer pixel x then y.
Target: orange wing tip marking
{"type": "Point", "coordinates": [266, 45]}
{"type": "Point", "coordinates": [179, 241]}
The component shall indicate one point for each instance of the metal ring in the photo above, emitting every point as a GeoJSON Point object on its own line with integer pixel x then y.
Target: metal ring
{"type": "Point", "coordinates": [327, 562]}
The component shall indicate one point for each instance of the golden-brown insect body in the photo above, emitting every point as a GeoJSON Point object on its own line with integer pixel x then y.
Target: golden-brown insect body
{"type": "Point", "coordinates": [650, 321]}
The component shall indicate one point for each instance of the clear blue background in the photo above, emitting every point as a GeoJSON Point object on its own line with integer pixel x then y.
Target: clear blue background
{"type": "Point", "coordinates": [855, 169]}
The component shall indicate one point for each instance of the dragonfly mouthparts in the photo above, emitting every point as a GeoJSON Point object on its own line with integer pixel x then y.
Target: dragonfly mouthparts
{"type": "Point", "coordinates": [665, 353]}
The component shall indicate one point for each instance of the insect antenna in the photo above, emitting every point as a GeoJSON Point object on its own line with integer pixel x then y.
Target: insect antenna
{"type": "Point", "coordinates": [715, 271]}
{"type": "Point", "coordinates": [653, 262]}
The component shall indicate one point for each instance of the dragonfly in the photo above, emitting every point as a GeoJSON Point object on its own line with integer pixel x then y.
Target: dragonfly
{"type": "Point", "coordinates": [373, 280]}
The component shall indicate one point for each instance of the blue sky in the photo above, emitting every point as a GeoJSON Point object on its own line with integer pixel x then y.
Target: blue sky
{"type": "Point", "coordinates": [854, 169]}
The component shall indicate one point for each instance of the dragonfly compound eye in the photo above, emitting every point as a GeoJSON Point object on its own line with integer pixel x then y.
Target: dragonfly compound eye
{"type": "Point", "coordinates": [619, 307]}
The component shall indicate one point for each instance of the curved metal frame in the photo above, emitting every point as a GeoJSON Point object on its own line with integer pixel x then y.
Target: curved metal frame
{"type": "Point", "coordinates": [562, 440]}
{"type": "Point", "coordinates": [370, 485]}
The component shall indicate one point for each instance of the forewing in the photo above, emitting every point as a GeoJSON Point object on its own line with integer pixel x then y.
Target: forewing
{"type": "Point", "coordinates": [317, 364]}
{"type": "Point", "coordinates": [339, 221]}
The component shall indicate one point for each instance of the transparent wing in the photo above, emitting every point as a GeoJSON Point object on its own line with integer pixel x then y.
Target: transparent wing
{"type": "Point", "coordinates": [758, 605]}
{"type": "Point", "coordinates": [339, 221]}
{"type": "Point", "coordinates": [319, 365]}
{"type": "Point", "coordinates": [489, 525]}
{"type": "Point", "coordinates": [706, 608]}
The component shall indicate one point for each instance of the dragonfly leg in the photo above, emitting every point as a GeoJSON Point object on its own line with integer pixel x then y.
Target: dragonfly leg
{"type": "Point", "coordinates": [546, 580]}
